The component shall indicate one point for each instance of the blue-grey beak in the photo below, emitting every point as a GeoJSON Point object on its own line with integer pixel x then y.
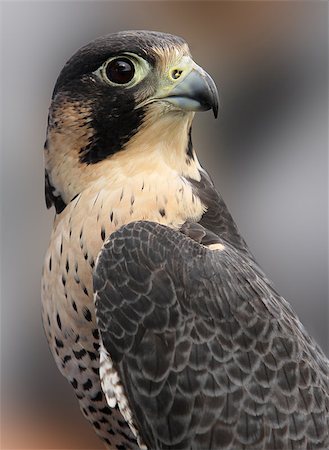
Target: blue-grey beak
{"type": "Point", "coordinates": [196, 92]}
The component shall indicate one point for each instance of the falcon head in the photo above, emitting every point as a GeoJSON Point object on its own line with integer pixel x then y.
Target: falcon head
{"type": "Point", "coordinates": [123, 97]}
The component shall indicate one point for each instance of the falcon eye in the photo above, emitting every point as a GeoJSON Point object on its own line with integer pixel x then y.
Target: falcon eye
{"type": "Point", "coordinates": [120, 71]}
{"type": "Point", "coordinates": [124, 70]}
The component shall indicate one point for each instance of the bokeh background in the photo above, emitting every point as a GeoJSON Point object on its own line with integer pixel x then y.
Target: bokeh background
{"type": "Point", "coordinates": [267, 154]}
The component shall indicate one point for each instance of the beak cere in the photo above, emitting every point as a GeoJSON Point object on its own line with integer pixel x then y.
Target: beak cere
{"type": "Point", "coordinates": [196, 92]}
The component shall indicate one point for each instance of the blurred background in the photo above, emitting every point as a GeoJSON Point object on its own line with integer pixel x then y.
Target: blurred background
{"type": "Point", "coordinates": [267, 154]}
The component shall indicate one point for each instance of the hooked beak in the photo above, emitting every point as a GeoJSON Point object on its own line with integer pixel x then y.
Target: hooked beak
{"type": "Point", "coordinates": [196, 92]}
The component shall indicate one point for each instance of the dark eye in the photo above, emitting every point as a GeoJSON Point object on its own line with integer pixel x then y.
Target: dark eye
{"type": "Point", "coordinates": [120, 70]}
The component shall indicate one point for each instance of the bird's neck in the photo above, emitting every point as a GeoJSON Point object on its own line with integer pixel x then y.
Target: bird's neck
{"type": "Point", "coordinates": [162, 145]}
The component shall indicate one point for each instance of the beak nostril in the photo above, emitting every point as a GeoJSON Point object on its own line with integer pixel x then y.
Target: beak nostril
{"type": "Point", "coordinates": [176, 73]}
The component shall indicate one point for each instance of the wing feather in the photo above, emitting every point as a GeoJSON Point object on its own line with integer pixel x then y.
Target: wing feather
{"type": "Point", "coordinates": [208, 355]}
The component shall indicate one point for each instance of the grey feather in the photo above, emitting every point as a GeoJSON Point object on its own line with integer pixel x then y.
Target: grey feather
{"type": "Point", "coordinates": [209, 354]}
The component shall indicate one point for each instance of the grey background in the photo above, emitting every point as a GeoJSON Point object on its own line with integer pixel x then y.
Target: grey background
{"type": "Point", "coordinates": [267, 154]}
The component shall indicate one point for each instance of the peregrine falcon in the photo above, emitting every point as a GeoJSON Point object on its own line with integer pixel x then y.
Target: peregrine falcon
{"type": "Point", "coordinates": [154, 308]}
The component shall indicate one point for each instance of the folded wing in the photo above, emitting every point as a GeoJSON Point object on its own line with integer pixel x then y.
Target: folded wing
{"type": "Point", "coordinates": [200, 351]}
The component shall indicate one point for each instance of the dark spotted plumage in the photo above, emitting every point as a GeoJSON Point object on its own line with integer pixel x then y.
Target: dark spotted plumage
{"type": "Point", "coordinates": [209, 355]}
{"type": "Point", "coordinates": [193, 348]}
